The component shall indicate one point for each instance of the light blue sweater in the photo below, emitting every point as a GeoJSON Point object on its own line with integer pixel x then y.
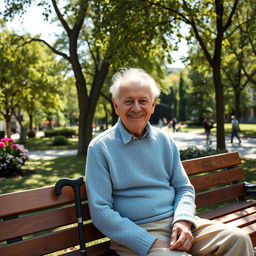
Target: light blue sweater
{"type": "Point", "coordinates": [132, 181]}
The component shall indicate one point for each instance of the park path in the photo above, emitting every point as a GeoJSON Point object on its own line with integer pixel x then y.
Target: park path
{"type": "Point", "coordinates": [183, 139]}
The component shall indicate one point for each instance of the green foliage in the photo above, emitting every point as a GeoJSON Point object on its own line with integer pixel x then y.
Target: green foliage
{"type": "Point", "coordinates": [193, 152]}
{"type": "Point", "coordinates": [60, 140]}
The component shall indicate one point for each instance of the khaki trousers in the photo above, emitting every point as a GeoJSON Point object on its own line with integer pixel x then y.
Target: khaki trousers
{"type": "Point", "coordinates": [211, 238]}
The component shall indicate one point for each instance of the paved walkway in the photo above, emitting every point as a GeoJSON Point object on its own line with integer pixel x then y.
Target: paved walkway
{"type": "Point", "coordinates": [183, 140]}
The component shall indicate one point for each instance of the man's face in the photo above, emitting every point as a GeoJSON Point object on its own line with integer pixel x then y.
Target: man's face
{"type": "Point", "coordinates": [134, 105]}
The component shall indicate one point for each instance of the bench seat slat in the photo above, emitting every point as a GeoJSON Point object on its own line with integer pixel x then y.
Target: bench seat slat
{"type": "Point", "coordinates": [237, 215]}
{"type": "Point", "coordinates": [244, 220]}
{"type": "Point", "coordinates": [219, 195]}
{"type": "Point", "coordinates": [35, 199]}
{"type": "Point", "coordinates": [228, 209]}
{"type": "Point", "coordinates": [218, 178]}
{"type": "Point", "coordinates": [211, 163]}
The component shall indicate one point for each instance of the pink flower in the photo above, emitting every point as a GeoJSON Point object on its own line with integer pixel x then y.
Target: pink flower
{"type": "Point", "coordinates": [2, 145]}
{"type": "Point", "coordinates": [14, 146]}
{"type": "Point", "coordinates": [7, 140]}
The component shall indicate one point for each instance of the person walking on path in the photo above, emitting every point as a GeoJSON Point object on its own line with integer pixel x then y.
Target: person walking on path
{"type": "Point", "coordinates": [207, 129]}
{"type": "Point", "coordinates": [139, 194]}
{"type": "Point", "coordinates": [235, 129]}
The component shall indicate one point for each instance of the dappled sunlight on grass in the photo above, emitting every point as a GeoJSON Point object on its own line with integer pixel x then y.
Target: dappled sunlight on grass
{"type": "Point", "coordinates": [46, 143]}
{"type": "Point", "coordinates": [46, 173]}
{"type": "Point", "coordinates": [249, 166]}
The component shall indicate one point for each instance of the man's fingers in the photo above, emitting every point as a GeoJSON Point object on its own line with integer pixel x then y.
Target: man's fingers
{"type": "Point", "coordinates": [174, 237]}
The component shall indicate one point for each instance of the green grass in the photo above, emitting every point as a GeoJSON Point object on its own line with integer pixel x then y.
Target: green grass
{"type": "Point", "coordinates": [246, 129]}
{"type": "Point", "coordinates": [46, 143]}
{"type": "Point", "coordinates": [44, 173]}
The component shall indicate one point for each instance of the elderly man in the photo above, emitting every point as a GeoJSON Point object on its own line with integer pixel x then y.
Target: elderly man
{"type": "Point", "coordinates": [138, 191]}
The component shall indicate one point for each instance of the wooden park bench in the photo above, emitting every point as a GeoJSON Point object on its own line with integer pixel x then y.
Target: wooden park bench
{"type": "Point", "coordinates": [37, 222]}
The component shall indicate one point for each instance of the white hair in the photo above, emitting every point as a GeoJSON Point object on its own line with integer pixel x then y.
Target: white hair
{"type": "Point", "coordinates": [133, 74]}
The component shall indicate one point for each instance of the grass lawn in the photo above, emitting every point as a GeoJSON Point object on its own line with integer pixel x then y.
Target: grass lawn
{"type": "Point", "coordinates": [246, 129]}
{"type": "Point", "coordinates": [44, 173]}
{"type": "Point", "coordinates": [46, 143]}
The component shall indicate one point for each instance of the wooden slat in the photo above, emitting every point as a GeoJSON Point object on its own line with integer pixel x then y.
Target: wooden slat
{"type": "Point", "coordinates": [50, 242]}
{"type": "Point", "coordinates": [212, 197]}
{"type": "Point", "coordinates": [228, 209]}
{"type": "Point", "coordinates": [219, 178]}
{"type": "Point", "coordinates": [244, 221]}
{"type": "Point", "coordinates": [42, 245]}
{"type": "Point", "coordinates": [39, 222]}
{"type": "Point", "coordinates": [36, 199]}
{"type": "Point", "coordinates": [237, 215]}
{"type": "Point", "coordinates": [211, 163]}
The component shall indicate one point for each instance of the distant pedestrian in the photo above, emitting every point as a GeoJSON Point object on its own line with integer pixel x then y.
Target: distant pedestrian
{"type": "Point", "coordinates": [235, 129]}
{"type": "Point", "coordinates": [207, 129]}
{"type": "Point", "coordinates": [174, 122]}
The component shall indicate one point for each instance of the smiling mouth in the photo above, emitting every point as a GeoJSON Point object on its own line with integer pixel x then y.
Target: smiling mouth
{"type": "Point", "coordinates": [135, 117]}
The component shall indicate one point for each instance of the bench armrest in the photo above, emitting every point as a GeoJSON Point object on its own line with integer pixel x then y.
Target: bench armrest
{"type": "Point", "coordinates": [250, 188]}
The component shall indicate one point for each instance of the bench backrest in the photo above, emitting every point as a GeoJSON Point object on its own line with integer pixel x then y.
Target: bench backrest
{"type": "Point", "coordinates": [47, 223]}
{"type": "Point", "coordinates": [216, 178]}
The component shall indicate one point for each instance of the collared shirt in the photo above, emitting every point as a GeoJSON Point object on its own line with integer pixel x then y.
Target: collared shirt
{"type": "Point", "coordinates": [133, 181]}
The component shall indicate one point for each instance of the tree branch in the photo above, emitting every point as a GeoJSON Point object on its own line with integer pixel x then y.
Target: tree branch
{"type": "Point", "coordinates": [92, 54]}
{"type": "Point", "coordinates": [60, 17]}
{"type": "Point", "coordinates": [65, 56]}
{"type": "Point", "coordinates": [229, 21]}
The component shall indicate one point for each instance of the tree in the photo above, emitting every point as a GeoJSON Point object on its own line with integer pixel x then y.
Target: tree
{"type": "Point", "coordinates": [13, 63]}
{"type": "Point", "coordinates": [209, 23]}
{"type": "Point", "coordinates": [106, 42]}
{"type": "Point", "coordinates": [29, 80]}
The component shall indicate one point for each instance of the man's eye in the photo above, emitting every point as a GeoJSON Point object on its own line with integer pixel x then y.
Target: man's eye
{"type": "Point", "coordinates": [128, 102]}
{"type": "Point", "coordinates": [143, 102]}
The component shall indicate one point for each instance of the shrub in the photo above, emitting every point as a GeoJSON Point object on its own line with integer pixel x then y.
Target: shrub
{"type": "Point", "coordinates": [12, 157]}
{"type": "Point", "coordinates": [66, 132]}
{"type": "Point", "coordinates": [60, 140]}
{"type": "Point", "coordinates": [193, 152]}
{"type": "Point", "coordinates": [31, 133]}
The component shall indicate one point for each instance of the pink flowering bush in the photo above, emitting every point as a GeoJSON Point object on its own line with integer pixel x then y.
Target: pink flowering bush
{"type": "Point", "coordinates": [12, 157]}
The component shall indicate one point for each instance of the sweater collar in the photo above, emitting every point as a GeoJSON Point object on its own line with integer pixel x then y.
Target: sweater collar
{"type": "Point", "coordinates": [127, 137]}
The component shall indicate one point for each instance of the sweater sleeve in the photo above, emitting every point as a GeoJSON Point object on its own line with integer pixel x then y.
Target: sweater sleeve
{"type": "Point", "coordinates": [184, 205]}
{"type": "Point", "coordinates": [105, 218]}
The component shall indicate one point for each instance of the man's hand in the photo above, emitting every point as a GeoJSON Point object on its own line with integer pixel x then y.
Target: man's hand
{"type": "Point", "coordinates": [181, 237]}
{"type": "Point", "coordinates": [160, 244]}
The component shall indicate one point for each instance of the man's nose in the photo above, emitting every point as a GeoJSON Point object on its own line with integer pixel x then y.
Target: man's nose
{"type": "Point", "coordinates": [136, 106]}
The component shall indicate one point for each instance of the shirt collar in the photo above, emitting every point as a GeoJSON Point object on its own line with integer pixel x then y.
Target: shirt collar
{"type": "Point", "coordinates": [127, 137]}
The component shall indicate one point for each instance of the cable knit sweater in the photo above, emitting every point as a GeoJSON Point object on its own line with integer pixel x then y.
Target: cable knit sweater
{"type": "Point", "coordinates": [132, 181]}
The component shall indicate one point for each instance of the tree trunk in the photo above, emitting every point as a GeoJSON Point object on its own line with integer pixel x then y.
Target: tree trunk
{"type": "Point", "coordinates": [219, 107]}
{"type": "Point", "coordinates": [8, 125]}
{"type": "Point", "coordinates": [237, 105]}
{"type": "Point", "coordinates": [30, 122]}
{"type": "Point", "coordinates": [23, 135]}
{"type": "Point", "coordinates": [87, 105]}
{"type": "Point", "coordinates": [106, 116]}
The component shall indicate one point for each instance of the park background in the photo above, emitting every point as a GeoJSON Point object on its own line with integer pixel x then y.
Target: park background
{"type": "Point", "coordinates": [55, 80]}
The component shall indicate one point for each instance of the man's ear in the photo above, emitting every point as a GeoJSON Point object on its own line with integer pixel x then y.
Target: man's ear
{"type": "Point", "coordinates": [153, 106]}
{"type": "Point", "coordinates": [115, 106]}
